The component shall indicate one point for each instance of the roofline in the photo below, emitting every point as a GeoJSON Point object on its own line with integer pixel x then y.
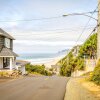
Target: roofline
{"type": "Point", "coordinates": [8, 37]}
{"type": "Point", "coordinates": [4, 33]}
{"type": "Point", "coordinates": [6, 56]}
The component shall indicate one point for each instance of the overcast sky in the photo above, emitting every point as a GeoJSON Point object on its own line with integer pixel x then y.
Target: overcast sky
{"type": "Point", "coordinates": [36, 34]}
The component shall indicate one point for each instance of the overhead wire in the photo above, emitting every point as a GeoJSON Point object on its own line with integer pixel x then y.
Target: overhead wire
{"type": "Point", "coordinates": [46, 18]}
{"type": "Point", "coordinates": [85, 28]}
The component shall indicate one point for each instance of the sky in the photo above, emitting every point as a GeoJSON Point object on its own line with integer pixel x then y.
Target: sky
{"type": "Point", "coordinates": [39, 26]}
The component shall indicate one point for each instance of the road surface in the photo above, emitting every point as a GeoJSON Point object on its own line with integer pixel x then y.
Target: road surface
{"type": "Point", "coordinates": [34, 88]}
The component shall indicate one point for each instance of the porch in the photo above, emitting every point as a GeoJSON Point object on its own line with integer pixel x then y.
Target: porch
{"type": "Point", "coordinates": [7, 59]}
{"type": "Point", "coordinates": [7, 63]}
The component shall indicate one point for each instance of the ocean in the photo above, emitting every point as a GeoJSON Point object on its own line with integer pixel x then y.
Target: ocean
{"type": "Point", "coordinates": [39, 58]}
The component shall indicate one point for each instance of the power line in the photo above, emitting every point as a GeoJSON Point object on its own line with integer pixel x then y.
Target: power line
{"type": "Point", "coordinates": [86, 25]}
{"type": "Point", "coordinates": [92, 32]}
{"type": "Point", "coordinates": [48, 18]}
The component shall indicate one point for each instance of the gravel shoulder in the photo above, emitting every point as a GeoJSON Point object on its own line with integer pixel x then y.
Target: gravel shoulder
{"type": "Point", "coordinates": [80, 89]}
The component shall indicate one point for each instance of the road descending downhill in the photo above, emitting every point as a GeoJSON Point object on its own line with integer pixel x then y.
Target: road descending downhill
{"type": "Point", "coordinates": [34, 88]}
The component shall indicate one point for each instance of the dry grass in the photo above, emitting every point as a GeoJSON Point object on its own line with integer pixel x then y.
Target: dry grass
{"type": "Point", "coordinates": [92, 87]}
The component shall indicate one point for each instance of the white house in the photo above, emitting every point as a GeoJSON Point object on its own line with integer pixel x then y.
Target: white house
{"type": "Point", "coordinates": [20, 65]}
{"type": "Point", "coordinates": [7, 56]}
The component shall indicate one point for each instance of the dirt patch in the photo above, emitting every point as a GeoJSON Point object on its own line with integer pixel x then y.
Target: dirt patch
{"type": "Point", "coordinates": [92, 87]}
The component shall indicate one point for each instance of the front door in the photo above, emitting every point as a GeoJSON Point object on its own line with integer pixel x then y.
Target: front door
{"type": "Point", "coordinates": [5, 62]}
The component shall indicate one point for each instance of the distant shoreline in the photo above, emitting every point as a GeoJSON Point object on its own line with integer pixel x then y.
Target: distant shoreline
{"type": "Point", "coordinates": [46, 61]}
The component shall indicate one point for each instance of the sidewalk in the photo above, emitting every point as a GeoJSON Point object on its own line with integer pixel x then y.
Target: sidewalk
{"type": "Point", "coordinates": [79, 89]}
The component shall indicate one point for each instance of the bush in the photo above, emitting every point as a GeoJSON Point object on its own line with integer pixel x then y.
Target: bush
{"type": "Point", "coordinates": [96, 74]}
{"type": "Point", "coordinates": [38, 69]}
{"type": "Point", "coordinates": [80, 64]}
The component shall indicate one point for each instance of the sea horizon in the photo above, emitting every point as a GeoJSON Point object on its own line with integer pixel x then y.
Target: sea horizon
{"type": "Point", "coordinates": [40, 58]}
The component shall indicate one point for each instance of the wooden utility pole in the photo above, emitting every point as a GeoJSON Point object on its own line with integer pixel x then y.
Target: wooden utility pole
{"type": "Point", "coordinates": [98, 32]}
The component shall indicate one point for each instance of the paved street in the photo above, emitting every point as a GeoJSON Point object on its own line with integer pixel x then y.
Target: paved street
{"type": "Point", "coordinates": [34, 88]}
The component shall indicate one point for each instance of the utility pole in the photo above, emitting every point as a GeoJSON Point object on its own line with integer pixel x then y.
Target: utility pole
{"type": "Point", "coordinates": [98, 32]}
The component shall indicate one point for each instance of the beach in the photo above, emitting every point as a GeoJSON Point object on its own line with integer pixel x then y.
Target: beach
{"type": "Point", "coordinates": [47, 61]}
{"type": "Point", "coordinates": [53, 62]}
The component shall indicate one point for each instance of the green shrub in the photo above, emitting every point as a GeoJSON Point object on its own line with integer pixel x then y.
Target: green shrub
{"type": "Point", "coordinates": [80, 64]}
{"type": "Point", "coordinates": [96, 74]}
{"type": "Point", "coordinates": [38, 69]}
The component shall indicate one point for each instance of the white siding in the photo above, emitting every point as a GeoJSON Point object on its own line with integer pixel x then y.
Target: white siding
{"type": "Point", "coordinates": [22, 69]}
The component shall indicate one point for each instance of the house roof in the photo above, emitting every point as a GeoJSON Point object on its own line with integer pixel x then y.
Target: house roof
{"type": "Point", "coordinates": [3, 33]}
{"type": "Point", "coordinates": [5, 52]}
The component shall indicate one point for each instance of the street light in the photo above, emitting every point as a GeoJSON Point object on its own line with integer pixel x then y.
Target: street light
{"type": "Point", "coordinates": [81, 14]}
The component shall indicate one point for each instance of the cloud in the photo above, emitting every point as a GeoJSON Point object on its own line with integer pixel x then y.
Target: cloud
{"type": "Point", "coordinates": [49, 43]}
{"type": "Point", "coordinates": [29, 40]}
{"type": "Point", "coordinates": [41, 46]}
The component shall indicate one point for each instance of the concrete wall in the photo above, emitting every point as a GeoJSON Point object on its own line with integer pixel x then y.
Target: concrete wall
{"type": "Point", "coordinates": [90, 65]}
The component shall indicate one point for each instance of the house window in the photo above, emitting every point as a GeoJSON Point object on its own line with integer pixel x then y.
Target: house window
{"type": "Point", "coordinates": [7, 42]}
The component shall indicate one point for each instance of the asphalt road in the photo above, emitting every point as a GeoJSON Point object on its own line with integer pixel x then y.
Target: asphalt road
{"type": "Point", "coordinates": [34, 88]}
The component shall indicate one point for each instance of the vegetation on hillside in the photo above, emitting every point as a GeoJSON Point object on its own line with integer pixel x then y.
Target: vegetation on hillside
{"type": "Point", "coordinates": [89, 48]}
{"type": "Point", "coordinates": [72, 62]}
{"type": "Point", "coordinates": [37, 69]}
{"type": "Point", "coordinates": [96, 74]}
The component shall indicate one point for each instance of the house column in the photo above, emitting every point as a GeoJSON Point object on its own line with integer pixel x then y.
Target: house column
{"type": "Point", "coordinates": [11, 63]}
{"type": "Point", "coordinates": [1, 62]}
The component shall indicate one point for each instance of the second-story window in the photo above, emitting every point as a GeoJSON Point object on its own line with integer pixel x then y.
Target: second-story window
{"type": "Point", "coordinates": [7, 42]}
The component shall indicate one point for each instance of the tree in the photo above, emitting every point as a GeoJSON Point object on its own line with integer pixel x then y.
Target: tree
{"type": "Point", "coordinates": [89, 48]}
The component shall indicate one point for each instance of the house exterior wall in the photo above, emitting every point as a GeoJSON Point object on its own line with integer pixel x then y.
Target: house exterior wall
{"type": "Point", "coordinates": [1, 63]}
{"type": "Point", "coordinates": [22, 69]}
{"type": "Point", "coordinates": [7, 60]}
{"type": "Point", "coordinates": [1, 42]}
{"type": "Point", "coordinates": [11, 45]}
